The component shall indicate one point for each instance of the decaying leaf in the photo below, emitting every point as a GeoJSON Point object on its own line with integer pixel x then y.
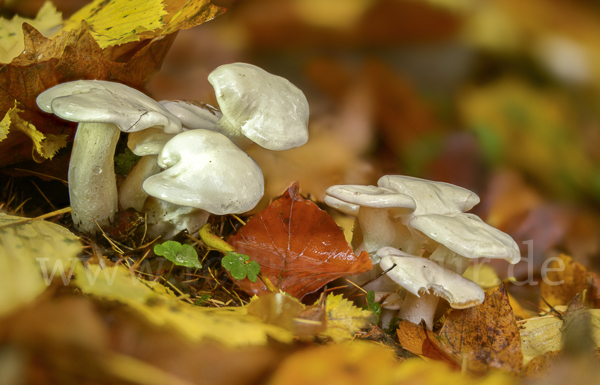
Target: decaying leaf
{"type": "Point", "coordinates": [540, 335]}
{"type": "Point", "coordinates": [31, 255]}
{"type": "Point", "coordinates": [114, 24]}
{"type": "Point", "coordinates": [478, 338]}
{"type": "Point", "coordinates": [230, 326]}
{"type": "Point", "coordinates": [565, 279]}
{"type": "Point", "coordinates": [298, 246]}
{"type": "Point", "coordinates": [48, 21]}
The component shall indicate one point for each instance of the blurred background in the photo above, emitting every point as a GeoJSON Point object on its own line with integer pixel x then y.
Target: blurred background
{"type": "Point", "coordinates": [499, 96]}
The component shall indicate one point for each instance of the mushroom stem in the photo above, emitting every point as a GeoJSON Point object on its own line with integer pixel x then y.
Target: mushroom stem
{"type": "Point", "coordinates": [92, 182]}
{"type": "Point", "coordinates": [376, 229]}
{"type": "Point", "coordinates": [448, 259]}
{"type": "Point", "coordinates": [131, 193]}
{"type": "Point", "coordinates": [415, 309]}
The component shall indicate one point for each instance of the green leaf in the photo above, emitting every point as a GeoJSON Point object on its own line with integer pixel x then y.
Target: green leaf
{"type": "Point", "coordinates": [239, 265]}
{"type": "Point", "coordinates": [181, 255]}
{"type": "Point", "coordinates": [373, 306]}
{"type": "Point", "coordinates": [125, 161]}
{"type": "Point", "coordinates": [253, 269]}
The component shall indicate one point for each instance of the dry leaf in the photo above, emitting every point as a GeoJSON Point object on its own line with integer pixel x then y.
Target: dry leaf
{"type": "Point", "coordinates": [565, 279]}
{"type": "Point", "coordinates": [69, 56]}
{"type": "Point", "coordinates": [300, 247]}
{"type": "Point", "coordinates": [344, 319]}
{"type": "Point", "coordinates": [112, 23]}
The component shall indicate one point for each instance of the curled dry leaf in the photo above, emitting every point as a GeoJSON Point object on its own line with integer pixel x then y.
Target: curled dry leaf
{"type": "Point", "coordinates": [299, 247]}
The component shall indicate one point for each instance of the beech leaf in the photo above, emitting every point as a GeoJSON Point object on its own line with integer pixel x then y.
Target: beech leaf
{"type": "Point", "coordinates": [299, 247]}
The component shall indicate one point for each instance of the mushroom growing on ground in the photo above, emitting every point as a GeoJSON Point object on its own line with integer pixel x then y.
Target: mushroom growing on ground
{"type": "Point", "coordinates": [102, 109]}
{"type": "Point", "coordinates": [205, 172]}
{"type": "Point", "coordinates": [426, 282]}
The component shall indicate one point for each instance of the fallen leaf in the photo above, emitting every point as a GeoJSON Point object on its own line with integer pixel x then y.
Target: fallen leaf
{"type": "Point", "coordinates": [565, 279]}
{"type": "Point", "coordinates": [48, 21]}
{"type": "Point", "coordinates": [32, 255]}
{"type": "Point", "coordinates": [69, 56]}
{"type": "Point", "coordinates": [344, 319]}
{"type": "Point", "coordinates": [487, 336]}
{"type": "Point", "coordinates": [230, 326]}
{"type": "Point", "coordinates": [299, 247]}
{"type": "Point", "coordinates": [539, 366]}
{"type": "Point", "coordinates": [540, 335]}
{"type": "Point", "coordinates": [112, 23]}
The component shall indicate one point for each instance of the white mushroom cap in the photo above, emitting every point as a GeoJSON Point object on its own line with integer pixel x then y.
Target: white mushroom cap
{"type": "Point", "coordinates": [148, 142]}
{"type": "Point", "coordinates": [265, 108]}
{"type": "Point", "coordinates": [420, 275]}
{"type": "Point", "coordinates": [373, 197]}
{"type": "Point", "coordinates": [206, 170]}
{"type": "Point", "coordinates": [345, 207]}
{"type": "Point", "coordinates": [193, 115]}
{"type": "Point", "coordinates": [468, 236]}
{"type": "Point", "coordinates": [431, 197]}
{"type": "Point", "coordinates": [98, 101]}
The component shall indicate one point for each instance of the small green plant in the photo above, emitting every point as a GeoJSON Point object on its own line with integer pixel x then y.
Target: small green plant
{"type": "Point", "coordinates": [200, 301]}
{"type": "Point", "coordinates": [180, 255]}
{"type": "Point", "coordinates": [373, 306]}
{"type": "Point", "coordinates": [240, 266]}
{"type": "Point", "coordinates": [125, 161]}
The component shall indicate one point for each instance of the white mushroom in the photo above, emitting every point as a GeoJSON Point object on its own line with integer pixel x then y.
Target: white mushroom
{"type": "Point", "coordinates": [206, 171]}
{"type": "Point", "coordinates": [459, 237]}
{"type": "Point", "coordinates": [378, 209]}
{"type": "Point", "coordinates": [260, 107]}
{"type": "Point", "coordinates": [426, 282]}
{"type": "Point", "coordinates": [103, 109]}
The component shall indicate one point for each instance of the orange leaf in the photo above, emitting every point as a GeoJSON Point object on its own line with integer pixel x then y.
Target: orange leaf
{"type": "Point", "coordinates": [418, 340]}
{"type": "Point", "coordinates": [69, 56]}
{"type": "Point", "coordinates": [299, 247]}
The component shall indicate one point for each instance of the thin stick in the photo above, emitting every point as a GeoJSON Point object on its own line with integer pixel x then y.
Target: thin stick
{"type": "Point", "coordinates": [44, 195]}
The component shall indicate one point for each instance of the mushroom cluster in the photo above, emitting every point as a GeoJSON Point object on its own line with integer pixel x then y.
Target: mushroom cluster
{"type": "Point", "coordinates": [419, 230]}
{"type": "Point", "coordinates": [191, 164]}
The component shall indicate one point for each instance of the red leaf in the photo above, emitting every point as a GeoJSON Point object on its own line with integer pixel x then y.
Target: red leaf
{"type": "Point", "coordinates": [299, 247]}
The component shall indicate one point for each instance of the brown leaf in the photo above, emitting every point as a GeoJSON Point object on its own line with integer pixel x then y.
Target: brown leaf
{"type": "Point", "coordinates": [69, 56]}
{"type": "Point", "coordinates": [421, 341]}
{"type": "Point", "coordinates": [541, 365]}
{"type": "Point", "coordinates": [486, 335]}
{"type": "Point", "coordinates": [565, 279]}
{"type": "Point", "coordinates": [300, 247]}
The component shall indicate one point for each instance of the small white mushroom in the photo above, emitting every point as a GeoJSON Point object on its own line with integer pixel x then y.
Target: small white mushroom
{"type": "Point", "coordinates": [426, 282]}
{"type": "Point", "coordinates": [260, 107]}
{"type": "Point", "coordinates": [378, 209]}
{"type": "Point", "coordinates": [206, 171]}
{"type": "Point", "coordinates": [459, 237]}
{"type": "Point", "coordinates": [102, 109]}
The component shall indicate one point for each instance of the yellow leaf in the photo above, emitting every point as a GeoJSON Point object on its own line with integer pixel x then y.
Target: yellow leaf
{"type": "Point", "coordinates": [232, 326]}
{"type": "Point", "coordinates": [116, 22]}
{"type": "Point", "coordinates": [46, 147]}
{"type": "Point", "coordinates": [47, 21]}
{"type": "Point", "coordinates": [540, 335]}
{"type": "Point", "coordinates": [344, 319]}
{"type": "Point", "coordinates": [31, 255]}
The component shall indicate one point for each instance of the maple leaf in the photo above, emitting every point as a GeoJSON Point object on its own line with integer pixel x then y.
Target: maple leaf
{"type": "Point", "coordinates": [299, 247]}
{"type": "Point", "coordinates": [487, 336]}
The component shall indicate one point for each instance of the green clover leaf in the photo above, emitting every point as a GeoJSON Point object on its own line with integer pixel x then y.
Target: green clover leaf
{"type": "Point", "coordinates": [181, 255]}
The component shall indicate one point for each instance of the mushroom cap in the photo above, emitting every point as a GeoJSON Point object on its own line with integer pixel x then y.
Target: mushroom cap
{"type": "Point", "coordinates": [98, 101]}
{"type": "Point", "coordinates": [270, 110]}
{"type": "Point", "coordinates": [148, 142]}
{"type": "Point", "coordinates": [432, 197]}
{"type": "Point", "coordinates": [468, 236]}
{"type": "Point", "coordinates": [345, 207]}
{"type": "Point", "coordinates": [370, 196]}
{"type": "Point", "coordinates": [193, 115]}
{"type": "Point", "coordinates": [417, 274]}
{"type": "Point", "coordinates": [206, 170]}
